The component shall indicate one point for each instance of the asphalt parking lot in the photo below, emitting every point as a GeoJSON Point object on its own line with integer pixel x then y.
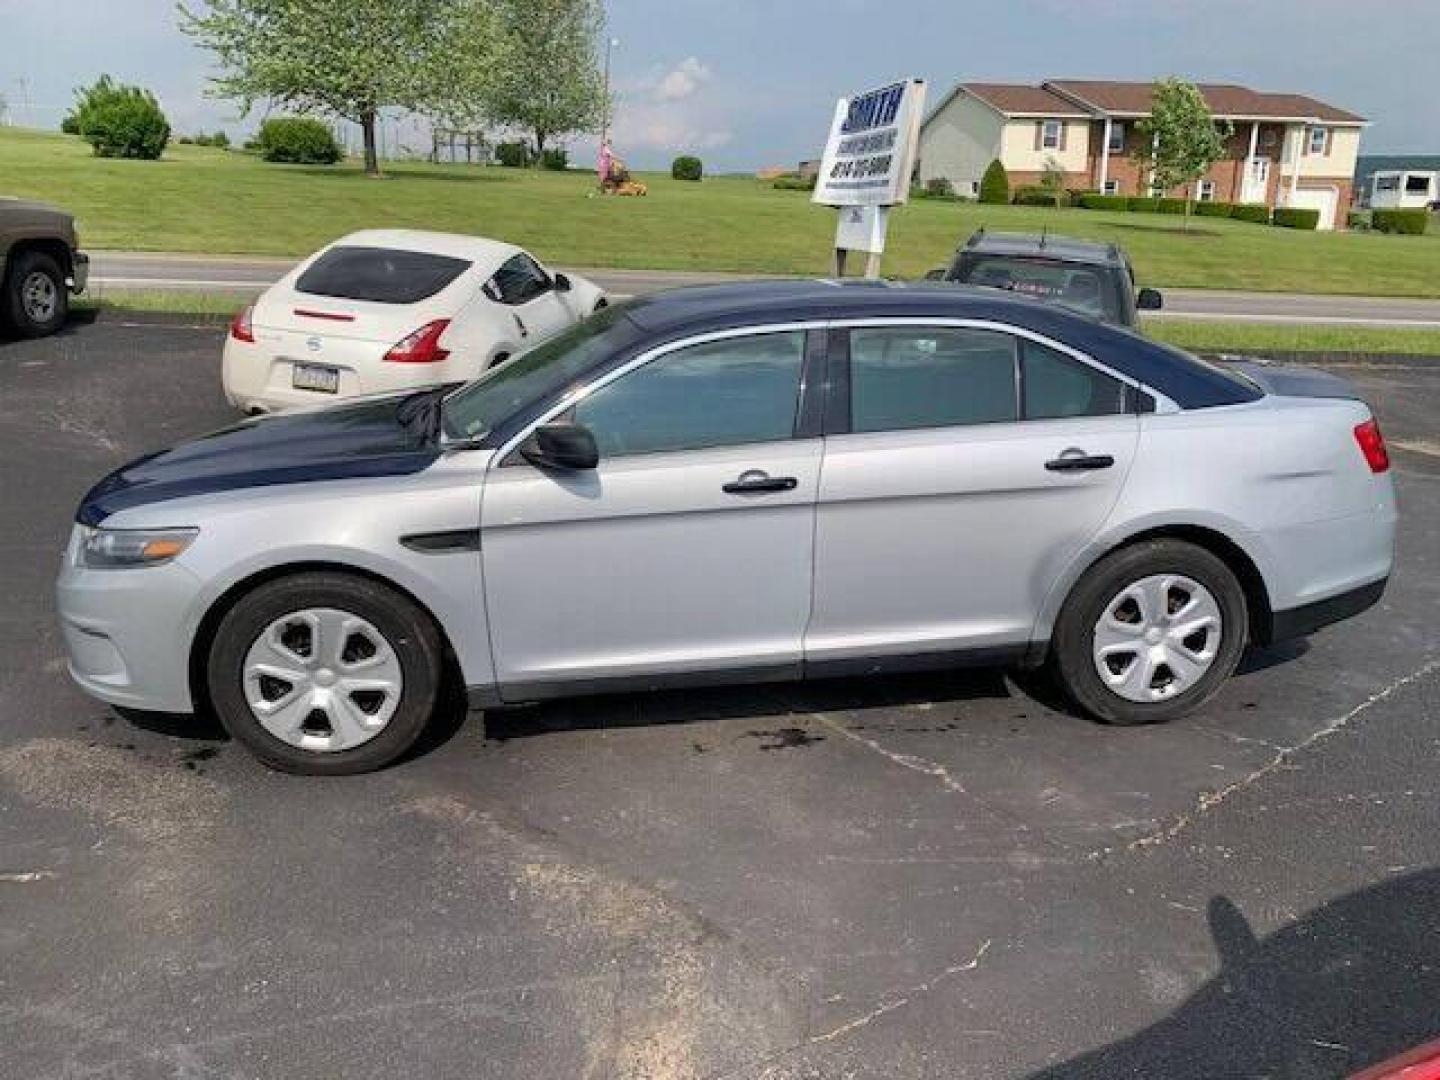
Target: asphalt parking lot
{"type": "Point", "coordinates": [918, 877]}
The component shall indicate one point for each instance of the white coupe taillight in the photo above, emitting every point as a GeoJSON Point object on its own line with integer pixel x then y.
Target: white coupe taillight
{"type": "Point", "coordinates": [421, 347]}
{"type": "Point", "coordinates": [240, 328]}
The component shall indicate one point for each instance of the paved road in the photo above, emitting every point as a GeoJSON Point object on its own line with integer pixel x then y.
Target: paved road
{"type": "Point", "coordinates": [937, 877]}
{"type": "Point", "coordinates": [113, 270]}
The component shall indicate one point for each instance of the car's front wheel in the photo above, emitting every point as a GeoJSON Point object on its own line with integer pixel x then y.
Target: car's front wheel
{"type": "Point", "coordinates": [36, 300]}
{"type": "Point", "coordinates": [1150, 632]}
{"type": "Point", "coordinates": [325, 673]}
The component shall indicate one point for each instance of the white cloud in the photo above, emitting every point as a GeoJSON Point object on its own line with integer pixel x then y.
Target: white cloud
{"type": "Point", "coordinates": [683, 80]}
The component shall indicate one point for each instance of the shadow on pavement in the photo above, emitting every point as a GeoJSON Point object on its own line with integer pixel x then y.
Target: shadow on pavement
{"type": "Point", "coordinates": [1353, 983]}
{"type": "Point", "coordinates": [762, 700]}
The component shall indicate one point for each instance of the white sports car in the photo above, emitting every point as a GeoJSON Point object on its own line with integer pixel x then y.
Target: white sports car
{"type": "Point", "coordinates": [393, 309]}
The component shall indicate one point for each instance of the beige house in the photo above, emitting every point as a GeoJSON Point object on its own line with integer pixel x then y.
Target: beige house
{"type": "Point", "coordinates": [1285, 149]}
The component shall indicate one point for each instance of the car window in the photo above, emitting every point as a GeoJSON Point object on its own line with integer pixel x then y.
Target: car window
{"type": "Point", "coordinates": [722, 393]}
{"type": "Point", "coordinates": [917, 377]}
{"type": "Point", "coordinates": [518, 281]}
{"type": "Point", "coordinates": [383, 275]}
{"type": "Point", "coordinates": [1055, 385]}
{"type": "Point", "coordinates": [1080, 288]}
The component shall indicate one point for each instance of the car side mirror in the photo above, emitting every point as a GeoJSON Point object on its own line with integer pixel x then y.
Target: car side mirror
{"type": "Point", "coordinates": [1149, 300]}
{"type": "Point", "coordinates": [570, 447]}
{"type": "Point", "coordinates": [562, 283]}
{"type": "Point", "coordinates": [938, 274]}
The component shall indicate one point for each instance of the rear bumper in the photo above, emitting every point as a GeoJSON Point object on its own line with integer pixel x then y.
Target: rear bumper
{"type": "Point", "coordinates": [1306, 619]}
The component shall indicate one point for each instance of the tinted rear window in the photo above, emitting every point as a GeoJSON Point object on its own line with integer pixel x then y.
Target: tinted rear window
{"type": "Point", "coordinates": [1086, 289]}
{"type": "Point", "coordinates": [384, 275]}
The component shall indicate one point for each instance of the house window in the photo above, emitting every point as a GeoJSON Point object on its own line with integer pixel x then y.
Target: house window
{"type": "Point", "coordinates": [1318, 138]}
{"type": "Point", "coordinates": [1417, 185]}
{"type": "Point", "coordinates": [1117, 138]}
{"type": "Point", "coordinates": [1206, 192]}
{"type": "Point", "coordinates": [1112, 187]}
{"type": "Point", "coordinates": [1050, 135]}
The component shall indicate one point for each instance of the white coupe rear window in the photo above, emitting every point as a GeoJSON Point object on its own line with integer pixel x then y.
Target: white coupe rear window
{"type": "Point", "coordinates": [384, 275]}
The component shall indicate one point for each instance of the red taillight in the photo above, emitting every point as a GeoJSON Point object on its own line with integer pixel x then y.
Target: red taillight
{"type": "Point", "coordinates": [240, 328]}
{"type": "Point", "coordinates": [421, 347]}
{"type": "Point", "coordinates": [1422, 1063]}
{"type": "Point", "coordinates": [1372, 445]}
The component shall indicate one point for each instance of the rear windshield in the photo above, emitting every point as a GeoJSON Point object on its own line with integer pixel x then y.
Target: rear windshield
{"type": "Point", "coordinates": [1085, 289]}
{"type": "Point", "coordinates": [384, 275]}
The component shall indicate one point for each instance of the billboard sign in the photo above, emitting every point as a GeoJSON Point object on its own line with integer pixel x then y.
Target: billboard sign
{"type": "Point", "coordinates": [870, 154]}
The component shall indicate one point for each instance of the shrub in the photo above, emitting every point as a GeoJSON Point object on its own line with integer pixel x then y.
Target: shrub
{"type": "Point", "coordinates": [1358, 220]}
{"type": "Point", "coordinates": [794, 182]}
{"type": "Point", "coordinates": [1256, 213]}
{"type": "Point", "coordinates": [686, 167]}
{"type": "Point", "coordinates": [185, 140]}
{"type": "Point", "coordinates": [1295, 217]}
{"type": "Point", "coordinates": [1401, 222]}
{"type": "Point", "coordinates": [1037, 196]}
{"type": "Point", "coordinates": [1092, 201]}
{"type": "Point", "coordinates": [995, 184]}
{"type": "Point", "coordinates": [1143, 204]}
{"type": "Point", "coordinates": [298, 140]}
{"type": "Point", "coordinates": [119, 121]}
{"type": "Point", "coordinates": [513, 155]}
{"type": "Point", "coordinates": [221, 140]}
{"type": "Point", "coordinates": [1214, 209]}
{"type": "Point", "coordinates": [939, 187]}
{"type": "Point", "coordinates": [1171, 206]}
{"type": "Point", "coordinates": [555, 160]}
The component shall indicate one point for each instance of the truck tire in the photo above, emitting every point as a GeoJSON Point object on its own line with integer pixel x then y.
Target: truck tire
{"type": "Point", "coordinates": [35, 300]}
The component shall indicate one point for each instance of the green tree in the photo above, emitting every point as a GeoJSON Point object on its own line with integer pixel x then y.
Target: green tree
{"type": "Point", "coordinates": [550, 85]}
{"type": "Point", "coordinates": [995, 184]}
{"type": "Point", "coordinates": [1052, 180]}
{"type": "Point", "coordinates": [350, 58]}
{"type": "Point", "coordinates": [1180, 139]}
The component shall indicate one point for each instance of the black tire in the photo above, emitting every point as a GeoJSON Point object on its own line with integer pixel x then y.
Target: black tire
{"type": "Point", "coordinates": [406, 627]}
{"type": "Point", "coordinates": [21, 269]}
{"type": "Point", "coordinates": [1072, 660]}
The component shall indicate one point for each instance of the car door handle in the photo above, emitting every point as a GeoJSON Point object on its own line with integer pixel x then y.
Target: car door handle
{"type": "Point", "coordinates": [1068, 462]}
{"type": "Point", "coordinates": [521, 324]}
{"type": "Point", "coordinates": [755, 480]}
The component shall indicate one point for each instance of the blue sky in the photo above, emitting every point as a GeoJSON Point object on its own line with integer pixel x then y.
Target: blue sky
{"type": "Point", "coordinates": [747, 83]}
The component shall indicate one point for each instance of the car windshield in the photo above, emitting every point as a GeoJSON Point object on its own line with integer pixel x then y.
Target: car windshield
{"type": "Point", "coordinates": [1072, 285]}
{"type": "Point", "coordinates": [383, 275]}
{"type": "Point", "coordinates": [476, 409]}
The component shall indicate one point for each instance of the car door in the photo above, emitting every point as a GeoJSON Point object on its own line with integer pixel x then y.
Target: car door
{"type": "Point", "coordinates": [969, 464]}
{"type": "Point", "coordinates": [539, 311]}
{"type": "Point", "coordinates": [687, 550]}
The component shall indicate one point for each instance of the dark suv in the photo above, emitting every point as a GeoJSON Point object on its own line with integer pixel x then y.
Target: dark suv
{"type": "Point", "coordinates": [1093, 279]}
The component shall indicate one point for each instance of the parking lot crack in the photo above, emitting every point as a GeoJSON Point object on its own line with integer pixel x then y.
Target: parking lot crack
{"type": "Point", "coordinates": [905, 761]}
{"type": "Point", "coordinates": [1281, 760]}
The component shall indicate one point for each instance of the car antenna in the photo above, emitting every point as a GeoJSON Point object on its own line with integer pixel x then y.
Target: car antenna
{"type": "Point", "coordinates": [1044, 232]}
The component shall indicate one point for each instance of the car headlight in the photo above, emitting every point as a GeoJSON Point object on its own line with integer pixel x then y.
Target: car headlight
{"type": "Point", "coordinates": [118, 549]}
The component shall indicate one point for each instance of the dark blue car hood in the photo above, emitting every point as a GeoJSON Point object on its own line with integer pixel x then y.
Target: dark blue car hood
{"type": "Point", "coordinates": [379, 436]}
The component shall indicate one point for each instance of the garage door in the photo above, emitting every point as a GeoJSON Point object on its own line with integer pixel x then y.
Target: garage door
{"type": "Point", "coordinates": [1322, 199]}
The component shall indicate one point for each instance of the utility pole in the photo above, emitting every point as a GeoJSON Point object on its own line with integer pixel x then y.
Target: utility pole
{"type": "Point", "coordinates": [610, 43]}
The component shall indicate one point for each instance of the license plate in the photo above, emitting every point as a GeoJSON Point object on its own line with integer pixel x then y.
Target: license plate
{"type": "Point", "coordinates": [316, 377]}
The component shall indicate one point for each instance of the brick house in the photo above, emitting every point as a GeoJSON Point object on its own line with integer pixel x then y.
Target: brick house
{"type": "Point", "coordinates": [1286, 149]}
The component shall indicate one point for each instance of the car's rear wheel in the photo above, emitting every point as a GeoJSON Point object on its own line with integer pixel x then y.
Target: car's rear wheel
{"type": "Point", "coordinates": [36, 300]}
{"type": "Point", "coordinates": [1150, 632]}
{"type": "Point", "coordinates": [325, 673]}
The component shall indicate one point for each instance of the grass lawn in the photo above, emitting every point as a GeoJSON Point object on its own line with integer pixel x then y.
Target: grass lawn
{"type": "Point", "coordinates": [202, 200]}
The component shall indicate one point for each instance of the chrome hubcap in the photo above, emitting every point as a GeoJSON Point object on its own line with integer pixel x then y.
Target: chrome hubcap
{"type": "Point", "coordinates": [1157, 638]}
{"type": "Point", "coordinates": [39, 296]}
{"type": "Point", "coordinates": [322, 679]}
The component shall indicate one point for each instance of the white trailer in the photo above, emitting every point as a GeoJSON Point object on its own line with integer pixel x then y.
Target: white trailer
{"type": "Point", "coordinates": [1396, 189]}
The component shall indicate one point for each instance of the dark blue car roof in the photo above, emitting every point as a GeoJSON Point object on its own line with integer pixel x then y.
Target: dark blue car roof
{"type": "Point", "coordinates": [1187, 381]}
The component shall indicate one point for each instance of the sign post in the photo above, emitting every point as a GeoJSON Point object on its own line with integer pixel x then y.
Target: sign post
{"type": "Point", "coordinates": [867, 165]}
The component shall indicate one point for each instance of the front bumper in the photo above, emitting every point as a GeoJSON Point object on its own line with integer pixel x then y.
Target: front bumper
{"type": "Point", "coordinates": [128, 632]}
{"type": "Point", "coordinates": [79, 272]}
